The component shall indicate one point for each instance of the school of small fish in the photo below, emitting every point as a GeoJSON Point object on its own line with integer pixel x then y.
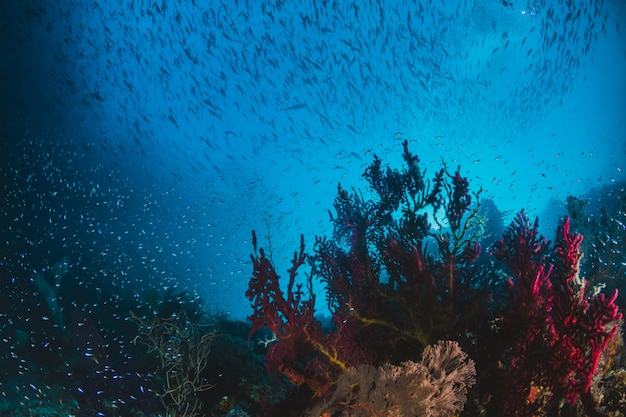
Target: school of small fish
{"type": "Point", "coordinates": [148, 138]}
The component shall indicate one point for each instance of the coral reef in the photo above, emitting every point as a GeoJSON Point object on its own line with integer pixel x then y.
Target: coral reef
{"type": "Point", "coordinates": [389, 295]}
{"type": "Point", "coordinates": [403, 270]}
{"type": "Point", "coordinates": [531, 327]}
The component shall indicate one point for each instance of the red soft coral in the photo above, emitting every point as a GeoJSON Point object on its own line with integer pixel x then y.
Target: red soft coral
{"type": "Point", "coordinates": [561, 330]}
{"type": "Point", "coordinates": [583, 323]}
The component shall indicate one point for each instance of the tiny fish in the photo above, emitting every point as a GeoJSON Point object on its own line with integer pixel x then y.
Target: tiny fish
{"type": "Point", "coordinates": [295, 107]}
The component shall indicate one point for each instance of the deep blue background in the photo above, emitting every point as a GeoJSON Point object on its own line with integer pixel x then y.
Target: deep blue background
{"type": "Point", "coordinates": [144, 140]}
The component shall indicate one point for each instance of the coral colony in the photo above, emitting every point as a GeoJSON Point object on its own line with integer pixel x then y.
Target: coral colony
{"type": "Point", "coordinates": [405, 278]}
{"type": "Point", "coordinates": [562, 327]}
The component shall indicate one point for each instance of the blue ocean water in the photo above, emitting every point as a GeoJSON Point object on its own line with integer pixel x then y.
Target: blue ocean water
{"type": "Point", "coordinates": [143, 141]}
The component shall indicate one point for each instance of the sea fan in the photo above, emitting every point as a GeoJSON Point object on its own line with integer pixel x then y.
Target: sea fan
{"type": "Point", "coordinates": [434, 387]}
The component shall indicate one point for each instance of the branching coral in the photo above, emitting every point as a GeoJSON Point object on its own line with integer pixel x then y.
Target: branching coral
{"type": "Point", "coordinates": [379, 269]}
{"type": "Point", "coordinates": [560, 327]}
{"type": "Point", "coordinates": [182, 345]}
{"type": "Point", "coordinates": [296, 332]}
